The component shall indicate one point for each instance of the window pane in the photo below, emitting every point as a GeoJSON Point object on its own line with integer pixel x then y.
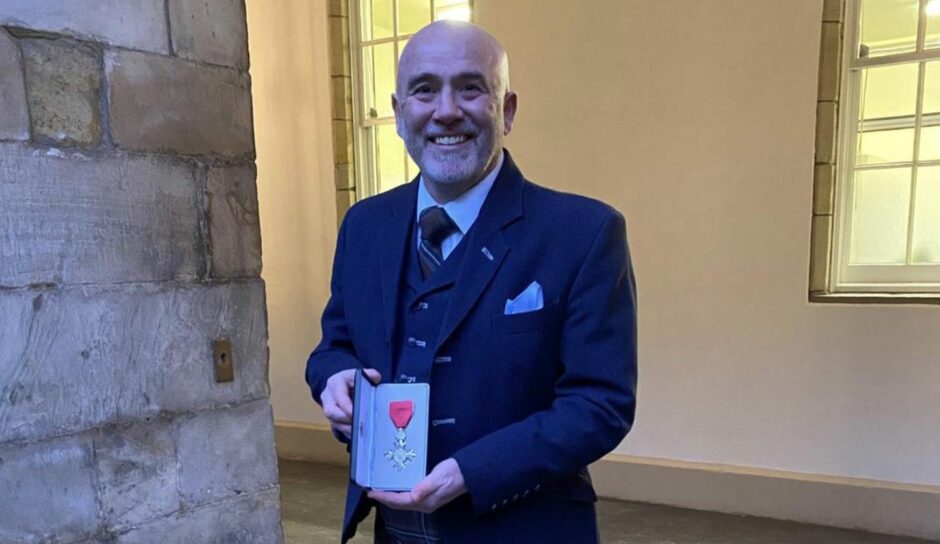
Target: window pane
{"type": "Point", "coordinates": [933, 24]}
{"type": "Point", "coordinates": [932, 88]}
{"type": "Point", "coordinates": [456, 10]}
{"type": "Point", "coordinates": [390, 158]}
{"type": "Point", "coordinates": [401, 47]}
{"type": "Point", "coordinates": [376, 19]}
{"type": "Point", "coordinates": [888, 91]}
{"type": "Point", "coordinates": [881, 146]}
{"type": "Point", "coordinates": [412, 168]}
{"type": "Point", "coordinates": [927, 216]}
{"type": "Point", "coordinates": [378, 78]}
{"type": "Point", "coordinates": [888, 28]}
{"type": "Point", "coordinates": [412, 15]}
{"type": "Point", "coordinates": [879, 216]}
{"type": "Point", "coordinates": [930, 145]}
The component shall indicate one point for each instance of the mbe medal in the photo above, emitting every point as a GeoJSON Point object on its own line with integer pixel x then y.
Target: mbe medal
{"type": "Point", "coordinates": [400, 412]}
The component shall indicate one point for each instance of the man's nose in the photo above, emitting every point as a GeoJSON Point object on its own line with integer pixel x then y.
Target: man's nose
{"type": "Point", "coordinates": [447, 110]}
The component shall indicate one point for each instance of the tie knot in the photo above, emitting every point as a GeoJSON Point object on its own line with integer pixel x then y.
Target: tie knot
{"type": "Point", "coordinates": [436, 225]}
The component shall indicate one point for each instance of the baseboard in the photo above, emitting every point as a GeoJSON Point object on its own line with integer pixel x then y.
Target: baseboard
{"type": "Point", "coordinates": [853, 503]}
{"type": "Point", "coordinates": [299, 441]}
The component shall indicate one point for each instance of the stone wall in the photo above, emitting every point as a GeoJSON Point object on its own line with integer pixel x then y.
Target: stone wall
{"type": "Point", "coordinates": [129, 243]}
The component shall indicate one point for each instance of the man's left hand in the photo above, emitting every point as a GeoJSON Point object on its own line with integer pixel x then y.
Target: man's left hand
{"type": "Point", "coordinates": [444, 484]}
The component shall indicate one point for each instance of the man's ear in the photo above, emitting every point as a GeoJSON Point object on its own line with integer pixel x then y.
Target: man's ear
{"type": "Point", "coordinates": [510, 103]}
{"type": "Point", "coordinates": [397, 116]}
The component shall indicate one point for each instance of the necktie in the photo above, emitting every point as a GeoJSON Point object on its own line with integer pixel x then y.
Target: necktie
{"type": "Point", "coordinates": [436, 225]}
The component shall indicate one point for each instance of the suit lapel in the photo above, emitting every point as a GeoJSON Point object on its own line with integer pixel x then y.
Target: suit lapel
{"type": "Point", "coordinates": [395, 245]}
{"type": "Point", "coordinates": [486, 246]}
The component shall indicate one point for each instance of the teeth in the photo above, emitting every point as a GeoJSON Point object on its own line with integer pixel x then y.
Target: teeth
{"type": "Point", "coordinates": [449, 140]}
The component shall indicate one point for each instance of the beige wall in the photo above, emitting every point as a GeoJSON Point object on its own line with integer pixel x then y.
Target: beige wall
{"type": "Point", "coordinates": [290, 86]}
{"type": "Point", "coordinates": [696, 119]}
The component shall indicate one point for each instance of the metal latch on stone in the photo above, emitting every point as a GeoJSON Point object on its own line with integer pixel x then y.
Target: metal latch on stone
{"type": "Point", "coordinates": [222, 358]}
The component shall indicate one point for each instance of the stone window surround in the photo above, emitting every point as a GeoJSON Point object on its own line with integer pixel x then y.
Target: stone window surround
{"type": "Point", "coordinates": [825, 174]}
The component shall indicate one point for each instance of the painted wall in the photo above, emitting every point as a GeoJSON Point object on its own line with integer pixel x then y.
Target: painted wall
{"type": "Point", "coordinates": [290, 86]}
{"type": "Point", "coordinates": [696, 120]}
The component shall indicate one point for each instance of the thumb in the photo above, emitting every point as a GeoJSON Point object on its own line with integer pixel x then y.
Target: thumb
{"type": "Point", "coordinates": [373, 375]}
{"type": "Point", "coordinates": [422, 490]}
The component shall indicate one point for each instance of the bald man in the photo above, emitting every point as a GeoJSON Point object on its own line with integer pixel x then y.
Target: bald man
{"type": "Point", "coordinates": [514, 302]}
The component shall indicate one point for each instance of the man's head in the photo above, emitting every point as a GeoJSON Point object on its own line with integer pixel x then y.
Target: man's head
{"type": "Point", "coordinates": [453, 106]}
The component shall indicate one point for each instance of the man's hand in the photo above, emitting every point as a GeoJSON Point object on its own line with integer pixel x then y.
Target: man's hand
{"type": "Point", "coordinates": [444, 484]}
{"type": "Point", "coordinates": [337, 398]}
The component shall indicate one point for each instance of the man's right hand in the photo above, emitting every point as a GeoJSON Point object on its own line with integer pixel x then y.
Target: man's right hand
{"type": "Point", "coordinates": [337, 398]}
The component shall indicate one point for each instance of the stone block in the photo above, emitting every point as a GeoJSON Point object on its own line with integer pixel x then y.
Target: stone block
{"type": "Point", "coordinates": [137, 476]}
{"type": "Point", "coordinates": [342, 97]}
{"type": "Point", "coordinates": [140, 24]}
{"type": "Point", "coordinates": [14, 115]}
{"type": "Point", "coordinates": [823, 189]}
{"type": "Point", "coordinates": [833, 10]}
{"type": "Point", "coordinates": [167, 104]}
{"type": "Point", "coordinates": [74, 218]}
{"type": "Point", "coordinates": [253, 519]}
{"type": "Point", "coordinates": [48, 491]}
{"type": "Point", "coordinates": [345, 176]}
{"type": "Point", "coordinates": [826, 127]}
{"type": "Point", "coordinates": [63, 82]}
{"type": "Point", "coordinates": [344, 200]}
{"type": "Point", "coordinates": [234, 230]}
{"type": "Point", "coordinates": [210, 31]}
{"type": "Point", "coordinates": [339, 47]}
{"type": "Point", "coordinates": [830, 62]}
{"type": "Point", "coordinates": [339, 8]}
{"type": "Point", "coordinates": [142, 349]}
{"type": "Point", "coordinates": [821, 243]}
{"type": "Point", "coordinates": [342, 142]}
{"type": "Point", "coordinates": [225, 453]}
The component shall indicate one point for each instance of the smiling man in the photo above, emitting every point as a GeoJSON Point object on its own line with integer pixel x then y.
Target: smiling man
{"type": "Point", "coordinates": [514, 302]}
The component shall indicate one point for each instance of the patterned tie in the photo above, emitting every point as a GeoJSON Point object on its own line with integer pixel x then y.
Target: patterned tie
{"type": "Point", "coordinates": [436, 225]}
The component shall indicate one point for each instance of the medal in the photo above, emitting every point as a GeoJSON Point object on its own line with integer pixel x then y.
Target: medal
{"type": "Point", "coordinates": [400, 411]}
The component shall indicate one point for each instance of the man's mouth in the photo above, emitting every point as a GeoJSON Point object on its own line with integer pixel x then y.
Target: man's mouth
{"type": "Point", "coordinates": [449, 140]}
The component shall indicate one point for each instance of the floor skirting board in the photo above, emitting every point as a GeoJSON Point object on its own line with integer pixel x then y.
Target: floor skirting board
{"type": "Point", "coordinates": [855, 503]}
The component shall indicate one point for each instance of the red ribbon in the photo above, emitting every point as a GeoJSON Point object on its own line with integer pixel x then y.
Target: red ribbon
{"type": "Point", "coordinates": [401, 412]}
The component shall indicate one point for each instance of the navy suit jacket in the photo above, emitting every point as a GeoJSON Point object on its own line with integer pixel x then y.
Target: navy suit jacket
{"type": "Point", "coordinates": [536, 396]}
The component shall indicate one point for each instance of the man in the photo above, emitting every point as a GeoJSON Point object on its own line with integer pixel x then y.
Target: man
{"type": "Point", "coordinates": [515, 303]}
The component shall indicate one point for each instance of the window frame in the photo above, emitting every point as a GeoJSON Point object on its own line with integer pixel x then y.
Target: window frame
{"type": "Point", "coordinates": [837, 126]}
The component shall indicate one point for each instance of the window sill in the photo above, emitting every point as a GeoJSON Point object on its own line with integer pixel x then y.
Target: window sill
{"type": "Point", "coordinates": [875, 298]}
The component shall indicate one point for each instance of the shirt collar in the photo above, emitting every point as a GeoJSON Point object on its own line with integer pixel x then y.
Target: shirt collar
{"type": "Point", "coordinates": [464, 209]}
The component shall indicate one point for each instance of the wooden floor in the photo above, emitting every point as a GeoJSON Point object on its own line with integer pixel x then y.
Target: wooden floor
{"type": "Point", "coordinates": [312, 498]}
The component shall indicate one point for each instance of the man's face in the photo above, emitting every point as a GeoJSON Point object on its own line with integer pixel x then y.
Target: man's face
{"type": "Point", "coordinates": [452, 110]}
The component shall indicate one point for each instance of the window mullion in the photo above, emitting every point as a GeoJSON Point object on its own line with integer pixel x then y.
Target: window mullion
{"type": "Point", "coordinates": [921, 70]}
{"type": "Point", "coordinates": [921, 26]}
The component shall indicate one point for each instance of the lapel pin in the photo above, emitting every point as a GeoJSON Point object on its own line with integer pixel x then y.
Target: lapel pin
{"type": "Point", "coordinates": [487, 253]}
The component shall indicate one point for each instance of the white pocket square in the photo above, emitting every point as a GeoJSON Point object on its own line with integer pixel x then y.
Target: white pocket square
{"type": "Point", "coordinates": [528, 300]}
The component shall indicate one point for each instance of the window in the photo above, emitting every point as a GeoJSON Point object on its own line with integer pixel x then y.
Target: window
{"type": "Point", "coordinates": [379, 30]}
{"type": "Point", "coordinates": [883, 163]}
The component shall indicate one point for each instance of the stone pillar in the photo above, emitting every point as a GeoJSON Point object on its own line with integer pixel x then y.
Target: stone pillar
{"type": "Point", "coordinates": [129, 244]}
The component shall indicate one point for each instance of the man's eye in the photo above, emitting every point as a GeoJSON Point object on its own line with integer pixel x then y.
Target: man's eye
{"type": "Point", "coordinates": [423, 90]}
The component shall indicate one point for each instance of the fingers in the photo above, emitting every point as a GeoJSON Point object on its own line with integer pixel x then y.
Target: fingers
{"type": "Point", "coordinates": [373, 375]}
{"type": "Point", "coordinates": [337, 396]}
{"type": "Point", "coordinates": [345, 429]}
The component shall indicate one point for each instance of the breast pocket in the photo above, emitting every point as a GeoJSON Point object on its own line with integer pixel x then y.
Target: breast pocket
{"type": "Point", "coordinates": [526, 321]}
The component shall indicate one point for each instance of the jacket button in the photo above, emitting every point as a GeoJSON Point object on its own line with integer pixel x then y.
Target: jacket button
{"type": "Point", "coordinates": [505, 502]}
{"type": "Point", "coordinates": [492, 508]}
{"type": "Point", "coordinates": [516, 498]}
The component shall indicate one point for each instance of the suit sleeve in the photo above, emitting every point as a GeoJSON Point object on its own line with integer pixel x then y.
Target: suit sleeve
{"type": "Point", "coordinates": [595, 396]}
{"type": "Point", "coordinates": [335, 352]}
